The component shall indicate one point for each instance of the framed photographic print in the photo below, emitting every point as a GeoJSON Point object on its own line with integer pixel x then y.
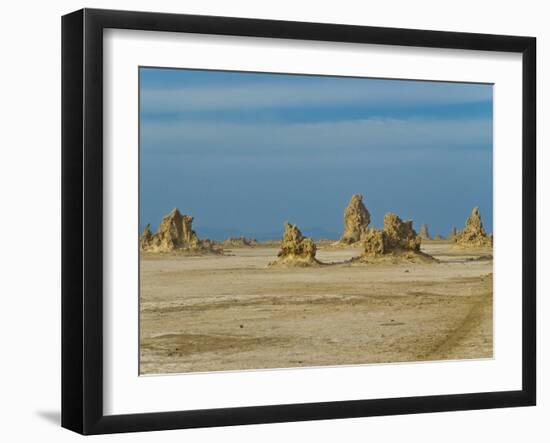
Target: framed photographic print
{"type": "Point", "coordinates": [268, 221]}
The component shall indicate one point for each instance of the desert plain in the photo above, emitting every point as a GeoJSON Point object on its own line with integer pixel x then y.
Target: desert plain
{"type": "Point", "coordinates": [234, 312]}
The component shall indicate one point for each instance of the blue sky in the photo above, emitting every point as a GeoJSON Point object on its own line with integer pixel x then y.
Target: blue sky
{"type": "Point", "coordinates": [243, 152]}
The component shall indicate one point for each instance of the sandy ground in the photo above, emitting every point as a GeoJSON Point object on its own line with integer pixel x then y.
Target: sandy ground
{"type": "Point", "coordinates": [232, 312]}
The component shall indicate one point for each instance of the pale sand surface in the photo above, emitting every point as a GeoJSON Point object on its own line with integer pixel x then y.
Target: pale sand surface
{"type": "Point", "coordinates": [232, 312]}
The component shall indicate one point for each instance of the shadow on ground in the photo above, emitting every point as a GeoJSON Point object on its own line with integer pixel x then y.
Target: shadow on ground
{"type": "Point", "coordinates": [54, 417]}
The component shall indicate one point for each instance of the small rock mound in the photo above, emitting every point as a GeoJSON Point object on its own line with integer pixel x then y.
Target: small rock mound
{"type": "Point", "coordinates": [356, 220]}
{"type": "Point", "coordinates": [175, 234]}
{"type": "Point", "coordinates": [424, 233]}
{"type": "Point", "coordinates": [239, 242]}
{"type": "Point", "coordinates": [397, 241]}
{"type": "Point", "coordinates": [296, 250]}
{"type": "Point", "coordinates": [473, 235]}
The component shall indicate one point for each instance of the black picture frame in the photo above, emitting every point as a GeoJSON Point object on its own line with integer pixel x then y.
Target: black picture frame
{"type": "Point", "coordinates": [82, 218]}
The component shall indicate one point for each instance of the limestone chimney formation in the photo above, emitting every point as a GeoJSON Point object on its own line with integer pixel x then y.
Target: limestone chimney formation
{"type": "Point", "coordinates": [473, 235]}
{"type": "Point", "coordinates": [396, 236]}
{"type": "Point", "coordinates": [452, 234]}
{"type": "Point", "coordinates": [296, 250]}
{"type": "Point", "coordinates": [175, 234]}
{"type": "Point", "coordinates": [356, 220]}
{"type": "Point", "coordinates": [424, 233]}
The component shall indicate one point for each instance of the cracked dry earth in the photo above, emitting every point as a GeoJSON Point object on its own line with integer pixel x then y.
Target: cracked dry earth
{"type": "Point", "coordinates": [232, 312]}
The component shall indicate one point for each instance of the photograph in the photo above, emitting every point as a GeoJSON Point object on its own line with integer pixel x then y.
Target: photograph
{"type": "Point", "coordinates": [301, 220]}
{"type": "Point", "coordinates": [294, 218]}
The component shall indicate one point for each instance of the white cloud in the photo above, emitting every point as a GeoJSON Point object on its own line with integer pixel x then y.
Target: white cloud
{"type": "Point", "coordinates": [317, 93]}
{"type": "Point", "coordinates": [369, 137]}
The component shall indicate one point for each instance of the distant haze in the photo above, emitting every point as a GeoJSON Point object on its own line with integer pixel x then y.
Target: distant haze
{"type": "Point", "coordinates": [243, 152]}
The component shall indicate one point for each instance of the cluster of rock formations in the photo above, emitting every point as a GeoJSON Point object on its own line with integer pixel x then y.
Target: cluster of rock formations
{"type": "Point", "coordinates": [473, 235]}
{"type": "Point", "coordinates": [296, 250]}
{"type": "Point", "coordinates": [175, 234]}
{"type": "Point", "coordinates": [356, 220]}
{"type": "Point", "coordinates": [238, 242]}
{"type": "Point", "coordinates": [396, 240]}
